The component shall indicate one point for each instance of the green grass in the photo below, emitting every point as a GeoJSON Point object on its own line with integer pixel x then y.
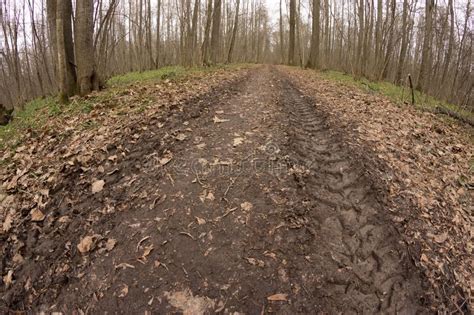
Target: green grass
{"type": "Point", "coordinates": [170, 73]}
{"type": "Point", "coordinates": [397, 94]}
{"type": "Point", "coordinates": [33, 116]}
{"type": "Point", "coordinates": [152, 75]}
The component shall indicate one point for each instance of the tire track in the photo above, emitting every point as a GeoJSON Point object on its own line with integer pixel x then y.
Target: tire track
{"type": "Point", "coordinates": [366, 267]}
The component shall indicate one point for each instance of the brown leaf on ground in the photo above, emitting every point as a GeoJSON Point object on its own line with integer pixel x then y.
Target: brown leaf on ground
{"type": "Point", "coordinates": [8, 278]}
{"type": "Point", "coordinates": [97, 186]}
{"type": "Point", "coordinates": [37, 215]}
{"type": "Point", "coordinates": [110, 244]}
{"type": "Point", "coordinates": [190, 304]}
{"type": "Point", "coordinates": [246, 206]}
{"type": "Point", "coordinates": [238, 141]}
{"type": "Point", "coordinates": [255, 262]}
{"type": "Point", "coordinates": [7, 223]}
{"type": "Point", "coordinates": [85, 245]}
{"type": "Point", "coordinates": [123, 291]}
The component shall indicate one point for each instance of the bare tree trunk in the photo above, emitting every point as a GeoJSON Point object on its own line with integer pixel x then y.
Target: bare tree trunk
{"type": "Point", "coordinates": [158, 37]}
{"type": "Point", "coordinates": [86, 74]}
{"type": "Point", "coordinates": [429, 6]}
{"type": "Point", "coordinates": [404, 45]}
{"type": "Point", "coordinates": [391, 37]}
{"type": "Point", "coordinates": [360, 38]}
{"type": "Point", "coordinates": [291, 52]}
{"type": "Point", "coordinates": [313, 61]}
{"type": "Point", "coordinates": [205, 43]}
{"type": "Point", "coordinates": [449, 51]}
{"type": "Point", "coordinates": [378, 36]}
{"type": "Point", "coordinates": [282, 44]}
{"type": "Point", "coordinates": [148, 44]}
{"type": "Point", "coordinates": [65, 50]}
{"type": "Point", "coordinates": [216, 32]}
{"type": "Point", "coordinates": [51, 9]}
{"type": "Point", "coordinates": [234, 33]}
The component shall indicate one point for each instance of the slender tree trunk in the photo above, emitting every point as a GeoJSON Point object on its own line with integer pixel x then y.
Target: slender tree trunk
{"type": "Point", "coordinates": [282, 44]}
{"type": "Point", "coordinates": [65, 50]}
{"type": "Point", "coordinates": [425, 54]}
{"type": "Point", "coordinates": [158, 37]}
{"type": "Point", "coordinates": [194, 29]}
{"type": "Point", "coordinates": [86, 74]}
{"type": "Point", "coordinates": [291, 51]}
{"type": "Point", "coordinates": [51, 9]}
{"type": "Point", "coordinates": [360, 38]}
{"type": "Point", "coordinates": [234, 33]}
{"type": "Point", "coordinates": [404, 45]}
{"type": "Point", "coordinates": [449, 51]}
{"type": "Point", "coordinates": [216, 32]}
{"type": "Point", "coordinates": [391, 37]}
{"type": "Point", "coordinates": [313, 61]}
{"type": "Point", "coordinates": [378, 36]}
{"type": "Point", "coordinates": [205, 43]}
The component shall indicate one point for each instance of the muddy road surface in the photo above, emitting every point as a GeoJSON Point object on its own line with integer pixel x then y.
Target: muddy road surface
{"type": "Point", "coordinates": [246, 201]}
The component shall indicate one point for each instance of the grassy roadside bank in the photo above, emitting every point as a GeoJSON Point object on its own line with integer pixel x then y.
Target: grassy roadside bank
{"type": "Point", "coordinates": [398, 94]}
{"type": "Point", "coordinates": [38, 114]}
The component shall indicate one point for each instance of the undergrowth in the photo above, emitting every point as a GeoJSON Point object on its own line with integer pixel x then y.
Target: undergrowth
{"type": "Point", "coordinates": [397, 94]}
{"type": "Point", "coordinates": [37, 113]}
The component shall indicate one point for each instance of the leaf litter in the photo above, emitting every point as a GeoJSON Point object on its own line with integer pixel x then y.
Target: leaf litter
{"type": "Point", "coordinates": [76, 159]}
{"type": "Point", "coordinates": [427, 161]}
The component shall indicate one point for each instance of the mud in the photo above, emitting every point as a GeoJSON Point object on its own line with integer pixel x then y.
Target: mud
{"type": "Point", "coordinates": [242, 200]}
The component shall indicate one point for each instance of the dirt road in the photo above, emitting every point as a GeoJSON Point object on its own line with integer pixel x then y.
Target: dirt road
{"type": "Point", "coordinates": [247, 201]}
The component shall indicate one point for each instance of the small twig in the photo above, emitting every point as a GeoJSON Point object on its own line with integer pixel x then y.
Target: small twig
{"type": "Point", "coordinates": [232, 182]}
{"type": "Point", "coordinates": [225, 214]}
{"type": "Point", "coordinates": [229, 212]}
{"type": "Point", "coordinates": [198, 179]}
{"type": "Point", "coordinates": [141, 241]}
{"type": "Point", "coordinates": [170, 178]}
{"type": "Point", "coordinates": [187, 234]}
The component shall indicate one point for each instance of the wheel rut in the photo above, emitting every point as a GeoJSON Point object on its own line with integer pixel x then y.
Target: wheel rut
{"type": "Point", "coordinates": [244, 200]}
{"type": "Point", "coordinates": [365, 267]}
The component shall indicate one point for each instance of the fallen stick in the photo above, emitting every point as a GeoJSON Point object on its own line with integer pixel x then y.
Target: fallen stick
{"type": "Point", "coordinates": [451, 113]}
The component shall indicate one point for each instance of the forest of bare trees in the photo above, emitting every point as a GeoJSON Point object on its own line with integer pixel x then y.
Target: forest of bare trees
{"type": "Point", "coordinates": [72, 47]}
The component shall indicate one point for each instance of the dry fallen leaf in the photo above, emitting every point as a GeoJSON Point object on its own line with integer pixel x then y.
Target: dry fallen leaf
{"type": "Point", "coordinates": [97, 186]}
{"type": "Point", "coordinates": [8, 278]}
{"type": "Point", "coordinates": [37, 215]}
{"type": "Point", "coordinates": [85, 245]}
{"type": "Point", "coordinates": [246, 206]}
{"type": "Point", "coordinates": [7, 224]}
{"type": "Point", "coordinates": [123, 291]}
{"type": "Point", "coordinates": [255, 262]}
{"type": "Point", "coordinates": [238, 141]}
{"type": "Point", "coordinates": [165, 160]}
{"type": "Point", "coordinates": [205, 195]}
{"type": "Point", "coordinates": [181, 137]}
{"type": "Point", "coordinates": [146, 252]}
{"type": "Point", "coordinates": [278, 297]}
{"type": "Point", "coordinates": [441, 238]}
{"type": "Point", "coordinates": [200, 221]}
{"type": "Point", "coordinates": [18, 259]}
{"type": "Point", "coordinates": [110, 244]}
{"type": "Point", "coordinates": [210, 196]}
{"type": "Point", "coordinates": [270, 254]}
